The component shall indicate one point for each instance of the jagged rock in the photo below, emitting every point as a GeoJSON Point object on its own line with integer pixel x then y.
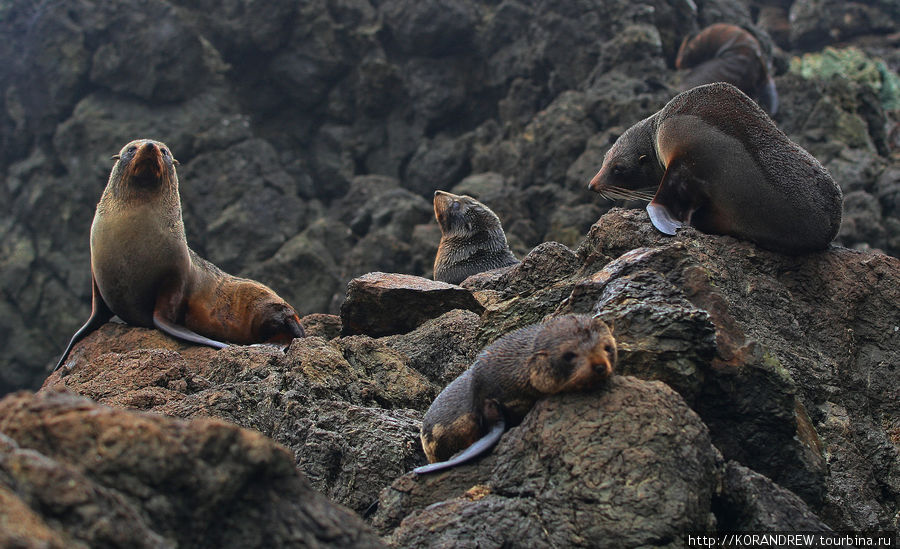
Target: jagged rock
{"type": "Point", "coordinates": [781, 369]}
{"type": "Point", "coordinates": [74, 473]}
{"type": "Point", "coordinates": [524, 293]}
{"type": "Point", "coordinates": [631, 462]}
{"type": "Point", "coordinates": [388, 303]}
{"type": "Point", "coordinates": [441, 348]}
{"type": "Point", "coordinates": [336, 114]}
{"type": "Point", "coordinates": [297, 108]}
{"type": "Point", "coordinates": [819, 22]}
{"type": "Point", "coordinates": [750, 502]}
{"type": "Point", "coordinates": [340, 405]}
{"type": "Point", "coordinates": [322, 325]}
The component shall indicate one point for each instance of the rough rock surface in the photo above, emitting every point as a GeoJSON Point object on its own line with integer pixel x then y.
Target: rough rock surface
{"type": "Point", "coordinates": [632, 462]}
{"type": "Point", "coordinates": [312, 135]}
{"type": "Point", "coordinates": [787, 363]}
{"type": "Point", "coordinates": [381, 304]}
{"type": "Point", "coordinates": [77, 474]}
{"type": "Point", "coordinates": [348, 408]}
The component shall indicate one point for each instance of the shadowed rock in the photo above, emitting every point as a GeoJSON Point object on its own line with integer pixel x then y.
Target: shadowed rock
{"type": "Point", "coordinates": [80, 474]}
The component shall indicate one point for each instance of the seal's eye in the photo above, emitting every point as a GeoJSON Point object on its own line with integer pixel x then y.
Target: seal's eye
{"type": "Point", "coordinates": [131, 149]}
{"type": "Point", "coordinates": [608, 349]}
{"type": "Point", "coordinates": [617, 170]}
{"type": "Point", "coordinates": [569, 356]}
{"type": "Point", "coordinates": [166, 153]}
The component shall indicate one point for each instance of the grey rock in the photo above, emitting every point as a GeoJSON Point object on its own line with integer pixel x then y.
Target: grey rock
{"type": "Point", "coordinates": [76, 473]}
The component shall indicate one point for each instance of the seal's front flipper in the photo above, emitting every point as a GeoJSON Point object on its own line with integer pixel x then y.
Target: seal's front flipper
{"type": "Point", "coordinates": [479, 447]}
{"type": "Point", "coordinates": [661, 219]}
{"type": "Point", "coordinates": [768, 97]}
{"type": "Point", "coordinates": [181, 332]}
{"type": "Point", "coordinates": [677, 198]}
{"type": "Point", "coordinates": [100, 314]}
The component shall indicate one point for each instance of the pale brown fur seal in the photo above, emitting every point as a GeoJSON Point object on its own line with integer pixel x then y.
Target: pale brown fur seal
{"type": "Point", "coordinates": [143, 271]}
{"type": "Point", "coordinates": [566, 353]}
{"type": "Point", "coordinates": [711, 158]}
{"type": "Point", "coordinates": [727, 53]}
{"type": "Point", "coordinates": [472, 239]}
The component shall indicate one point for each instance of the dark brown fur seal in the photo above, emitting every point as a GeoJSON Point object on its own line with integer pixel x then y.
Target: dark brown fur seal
{"type": "Point", "coordinates": [728, 53]}
{"type": "Point", "coordinates": [472, 240]}
{"type": "Point", "coordinates": [711, 158]}
{"type": "Point", "coordinates": [143, 271]}
{"type": "Point", "coordinates": [567, 353]}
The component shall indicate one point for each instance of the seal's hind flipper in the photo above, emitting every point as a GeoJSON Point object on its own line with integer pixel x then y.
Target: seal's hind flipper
{"type": "Point", "coordinates": [100, 314]}
{"type": "Point", "coordinates": [479, 447]}
{"type": "Point", "coordinates": [678, 197]}
{"type": "Point", "coordinates": [181, 332]}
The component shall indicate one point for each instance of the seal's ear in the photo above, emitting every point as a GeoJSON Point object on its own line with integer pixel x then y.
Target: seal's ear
{"type": "Point", "coordinates": [175, 162]}
{"type": "Point", "coordinates": [597, 323]}
{"type": "Point", "coordinates": [115, 157]}
{"type": "Point", "coordinates": [539, 372]}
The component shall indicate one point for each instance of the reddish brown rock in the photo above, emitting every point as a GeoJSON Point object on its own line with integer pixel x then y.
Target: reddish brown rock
{"type": "Point", "coordinates": [380, 304]}
{"type": "Point", "coordinates": [322, 325]}
{"type": "Point", "coordinates": [340, 405]}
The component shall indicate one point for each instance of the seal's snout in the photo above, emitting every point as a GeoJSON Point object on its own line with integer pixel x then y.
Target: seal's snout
{"type": "Point", "coordinates": [147, 165]}
{"type": "Point", "coordinates": [602, 358]}
{"type": "Point", "coordinates": [603, 368]}
{"type": "Point", "coordinates": [595, 183]}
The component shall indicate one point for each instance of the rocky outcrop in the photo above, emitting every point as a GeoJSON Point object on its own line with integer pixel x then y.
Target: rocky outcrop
{"type": "Point", "coordinates": [312, 136]}
{"type": "Point", "coordinates": [77, 474]}
{"type": "Point", "coordinates": [348, 408]}
{"type": "Point", "coordinates": [632, 463]}
{"type": "Point", "coordinates": [780, 369]}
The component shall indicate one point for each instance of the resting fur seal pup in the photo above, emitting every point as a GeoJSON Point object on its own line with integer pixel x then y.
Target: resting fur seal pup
{"type": "Point", "coordinates": [472, 240]}
{"type": "Point", "coordinates": [143, 271]}
{"type": "Point", "coordinates": [566, 353]}
{"type": "Point", "coordinates": [727, 53]}
{"type": "Point", "coordinates": [714, 160]}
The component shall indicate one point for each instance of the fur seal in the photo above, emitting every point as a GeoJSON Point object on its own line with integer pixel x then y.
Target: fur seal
{"type": "Point", "coordinates": [727, 53]}
{"type": "Point", "coordinates": [711, 158]}
{"type": "Point", "coordinates": [472, 239]}
{"type": "Point", "coordinates": [143, 271]}
{"type": "Point", "coordinates": [566, 353]}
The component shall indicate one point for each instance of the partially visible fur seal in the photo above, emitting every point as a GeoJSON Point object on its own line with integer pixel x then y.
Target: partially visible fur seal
{"type": "Point", "coordinates": [727, 53]}
{"type": "Point", "coordinates": [472, 239]}
{"type": "Point", "coordinates": [566, 353]}
{"type": "Point", "coordinates": [143, 271]}
{"type": "Point", "coordinates": [711, 158]}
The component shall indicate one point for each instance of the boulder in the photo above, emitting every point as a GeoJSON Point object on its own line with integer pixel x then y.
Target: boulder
{"type": "Point", "coordinates": [75, 473]}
